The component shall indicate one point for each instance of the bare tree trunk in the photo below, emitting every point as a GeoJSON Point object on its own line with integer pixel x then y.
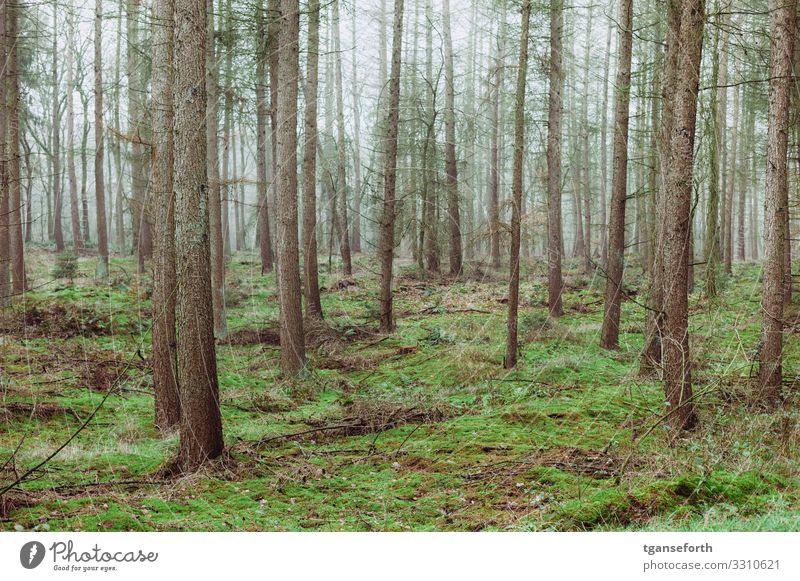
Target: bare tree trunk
{"type": "Point", "coordinates": [609, 336]}
{"type": "Point", "coordinates": [555, 284]}
{"type": "Point", "coordinates": [386, 246]}
{"type": "Point", "coordinates": [743, 173]}
{"type": "Point", "coordinates": [99, 141]}
{"type": "Point", "coordinates": [5, 240]}
{"type": "Point", "coordinates": [356, 233]}
{"type": "Point", "coordinates": [310, 259]}
{"type": "Point", "coordinates": [58, 228]}
{"type": "Point", "coordinates": [677, 230]}
{"type": "Point", "coordinates": [165, 379]}
{"type": "Point", "coordinates": [494, 172]}
{"type": "Point", "coordinates": [142, 235]}
{"type": "Point", "coordinates": [77, 240]}
{"type": "Point", "coordinates": [712, 237]}
{"type": "Point", "coordinates": [293, 356]}
{"type": "Point", "coordinates": [201, 422]}
{"type": "Point", "coordinates": [227, 191]}
{"type": "Point", "coordinates": [451, 167]}
{"type": "Point", "coordinates": [119, 221]}
{"type": "Point", "coordinates": [16, 241]}
{"type": "Point", "coordinates": [341, 167]}
{"type": "Point", "coordinates": [214, 190]}
{"type": "Point", "coordinates": [731, 183]}
{"type": "Point", "coordinates": [604, 154]}
{"type": "Point", "coordinates": [587, 188]}
{"type": "Point", "coordinates": [516, 187]}
{"type": "Point", "coordinates": [783, 22]}
{"type": "Point", "coordinates": [429, 230]}
{"type": "Point", "coordinates": [265, 243]}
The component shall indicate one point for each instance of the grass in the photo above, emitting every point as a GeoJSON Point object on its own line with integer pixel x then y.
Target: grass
{"type": "Point", "coordinates": [446, 439]}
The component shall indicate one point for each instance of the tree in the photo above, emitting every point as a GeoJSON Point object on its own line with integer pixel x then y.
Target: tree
{"type": "Point", "coordinates": [609, 337]}
{"type": "Point", "coordinates": [165, 380]}
{"type": "Point", "coordinates": [310, 266]}
{"type": "Point", "coordinates": [214, 195]}
{"type": "Point", "coordinates": [201, 422]}
{"type": "Point", "coordinates": [58, 231]}
{"type": "Point", "coordinates": [386, 244]}
{"type": "Point", "coordinates": [782, 27]}
{"type": "Point", "coordinates": [516, 188]}
{"type": "Point", "coordinates": [5, 241]}
{"type": "Point", "coordinates": [99, 180]}
{"type": "Point", "coordinates": [555, 281]}
{"type": "Point", "coordinates": [451, 167]}
{"type": "Point", "coordinates": [341, 166]}
{"type": "Point", "coordinates": [264, 235]}
{"type": "Point", "coordinates": [293, 356]}
{"type": "Point", "coordinates": [677, 220]}
{"type": "Point", "coordinates": [75, 220]}
{"type": "Point", "coordinates": [16, 241]}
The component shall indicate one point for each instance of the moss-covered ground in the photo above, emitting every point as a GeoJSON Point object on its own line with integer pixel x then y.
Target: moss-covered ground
{"type": "Point", "coordinates": [433, 433]}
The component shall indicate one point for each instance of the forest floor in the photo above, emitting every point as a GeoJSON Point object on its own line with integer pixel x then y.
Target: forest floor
{"type": "Point", "coordinates": [420, 430]}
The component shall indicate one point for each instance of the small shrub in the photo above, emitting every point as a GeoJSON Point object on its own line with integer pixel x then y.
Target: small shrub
{"type": "Point", "coordinates": [66, 266]}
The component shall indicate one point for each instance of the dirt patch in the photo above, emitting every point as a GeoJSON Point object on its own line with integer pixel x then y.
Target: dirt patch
{"type": "Point", "coordinates": [250, 336]}
{"type": "Point", "coordinates": [13, 500]}
{"type": "Point", "coordinates": [57, 321]}
{"type": "Point", "coordinates": [40, 411]}
{"type": "Point", "coordinates": [600, 465]}
{"type": "Point", "coordinates": [368, 417]}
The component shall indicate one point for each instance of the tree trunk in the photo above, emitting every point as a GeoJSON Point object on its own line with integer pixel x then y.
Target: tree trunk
{"type": "Point", "coordinates": [712, 237]}
{"type": "Point", "coordinates": [16, 241]}
{"type": "Point", "coordinates": [293, 357]}
{"type": "Point", "coordinates": [555, 284]}
{"type": "Point", "coordinates": [356, 233]}
{"type": "Point", "coordinates": [214, 190]}
{"type": "Point", "coordinates": [75, 216]}
{"type": "Point", "coordinates": [310, 260]}
{"type": "Point", "coordinates": [99, 141]}
{"type": "Point", "coordinates": [516, 188]}
{"type": "Point", "coordinates": [58, 228]}
{"type": "Point", "coordinates": [165, 380]}
{"type": "Point", "coordinates": [386, 245]}
{"type": "Point", "coordinates": [201, 423]}
{"type": "Point", "coordinates": [5, 241]}
{"type": "Point", "coordinates": [609, 336]}
{"type": "Point", "coordinates": [264, 237]}
{"type": "Point", "coordinates": [451, 167]}
{"type": "Point", "coordinates": [494, 171]}
{"type": "Point", "coordinates": [678, 202]}
{"type": "Point", "coordinates": [341, 166]}
{"type": "Point", "coordinates": [782, 20]}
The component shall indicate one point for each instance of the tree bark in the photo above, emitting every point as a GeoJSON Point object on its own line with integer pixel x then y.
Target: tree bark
{"type": "Point", "coordinates": [555, 283]}
{"type": "Point", "coordinates": [310, 259]}
{"type": "Point", "coordinates": [678, 201]}
{"type": "Point", "coordinates": [75, 217]}
{"type": "Point", "coordinates": [201, 423]}
{"type": "Point", "coordinates": [58, 228]}
{"type": "Point", "coordinates": [293, 357]}
{"type": "Point", "coordinates": [451, 167]}
{"type": "Point", "coordinates": [262, 111]}
{"type": "Point", "coordinates": [609, 335]}
{"type": "Point", "coordinates": [782, 26]}
{"type": "Point", "coordinates": [341, 157]}
{"type": "Point", "coordinates": [16, 241]}
{"type": "Point", "coordinates": [99, 140]}
{"type": "Point", "coordinates": [214, 189]}
{"type": "Point", "coordinates": [516, 188]}
{"type": "Point", "coordinates": [165, 379]}
{"type": "Point", "coordinates": [386, 244]}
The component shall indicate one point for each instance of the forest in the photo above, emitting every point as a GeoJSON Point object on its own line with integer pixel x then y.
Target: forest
{"type": "Point", "coordinates": [399, 265]}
